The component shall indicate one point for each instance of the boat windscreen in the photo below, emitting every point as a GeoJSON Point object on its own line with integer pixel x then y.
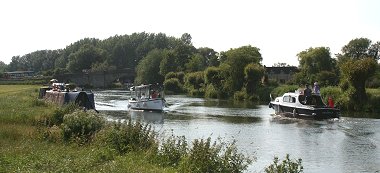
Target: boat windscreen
{"type": "Point", "coordinates": [313, 100]}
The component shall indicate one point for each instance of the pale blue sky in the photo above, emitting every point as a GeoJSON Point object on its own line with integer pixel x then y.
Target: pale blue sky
{"type": "Point", "coordinates": [281, 29]}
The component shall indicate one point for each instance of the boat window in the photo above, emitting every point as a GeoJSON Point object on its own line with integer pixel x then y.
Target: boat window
{"type": "Point", "coordinates": [293, 100]}
{"type": "Point", "coordinates": [286, 99]}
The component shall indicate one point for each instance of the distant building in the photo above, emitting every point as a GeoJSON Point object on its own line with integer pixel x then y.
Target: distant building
{"type": "Point", "coordinates": [281, 74]}
{"type": "Point", "coordinates": [18, 74]}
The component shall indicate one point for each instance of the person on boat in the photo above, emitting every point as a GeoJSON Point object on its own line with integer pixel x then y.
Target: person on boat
{"type": "Point", "coordinates": [154, 94]}
{"type": "Point", "coordinates": [307, 93]}
{"type": "Point", "coordinates": [316, 88]}
{"type": "Point", "coordinates": [331, 102]}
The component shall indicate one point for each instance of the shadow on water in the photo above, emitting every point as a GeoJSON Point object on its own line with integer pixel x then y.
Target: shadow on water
{"type": "Point", "coordinates": [224, 104]}
{"type": "Point", "coordinates": [361, 115]}
{"type": "Point", "coordinates": [237, 119]}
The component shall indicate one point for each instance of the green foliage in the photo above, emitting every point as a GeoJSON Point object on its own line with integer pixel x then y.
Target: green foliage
{"type": "Point", "coordinates": [85, 57]}
{"type": "Point", "coordinates": [194, 80]}
{"type": "Point", "coordinates": [148, 69]}
{"type": "Point", "coordinates": [285, 166]}
{"type": "Point", "coordinates": [173, 85]}
{"type": "Point", "coordinates": [237, 59]}
{"type": "Point", "coordinates": [253, 74]}
{"type": "Point", "coordinates": [56, 118]}
{"type": "Point", "coordinates": [314, 64]}
{"type": "Point", "coordinates": [206, 156]}
{"type": "Point", "coordinates": [170, 75]}
{"type": "Point", "coordinates": [129, 137]}
{"type": "Point", "coordinates": [81, 126]}
{"type": "Point", "coordinates": [196, 63]}
{"type": "Point", "coordinates": [355, 73]}
{"type": "Point", "coordinates": [282, 89]}
{"type": "Point", "coordinates": [357, 48]}
{"type": "Point", "coordinates": [168, 63]}
{"type": "Point", "coordinates": [333, 92]}
{"type": "Point", "coordinates": [211, 92]}
{"type": "Point", "coordinates": [172, 151]}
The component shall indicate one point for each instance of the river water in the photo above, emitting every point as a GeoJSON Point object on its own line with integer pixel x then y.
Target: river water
{"type": "Point", "coordinates": [334, 146]}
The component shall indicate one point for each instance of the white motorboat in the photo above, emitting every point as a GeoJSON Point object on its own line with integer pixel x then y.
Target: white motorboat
{"type": "Point", "coordinates": [147, 97]}
{"type": "Point", "coordinates": [295, 104]}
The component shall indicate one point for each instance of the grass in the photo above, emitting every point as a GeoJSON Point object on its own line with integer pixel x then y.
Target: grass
{"type": "Point", "coordinates": [23, 150]}
{"type": "Point", "coordinates": [39, 137]}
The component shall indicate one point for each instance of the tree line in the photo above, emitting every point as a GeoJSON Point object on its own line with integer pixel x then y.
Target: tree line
{"type": "Point", "coordinates": [236, 73]}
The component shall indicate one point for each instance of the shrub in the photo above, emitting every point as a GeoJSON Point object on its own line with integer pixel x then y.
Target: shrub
{"type": "Point", "coordinates": [173, 85]}
{"type": "Point", "coordinates": [205, 156]}
{"type": "Point", "coordinates": [279, 91]}
{"type": "Point", "coordinates": [286, 166]}
{"type": "Point", "coordinates": [81, 126]}
{"type": "Point", "coordinates": [172, 151]}
{"type": "Point", "coordinates": [126, 137]}
{"type": "Point", "coordinates": [333, 92]}
{"type": "Point", "coordinates": [170, 75]}
{"type": "Point", "coordinates": [211, 92]}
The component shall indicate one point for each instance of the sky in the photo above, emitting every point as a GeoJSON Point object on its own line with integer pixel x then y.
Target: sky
{"type": "Point", "coordinates": [279, 28]}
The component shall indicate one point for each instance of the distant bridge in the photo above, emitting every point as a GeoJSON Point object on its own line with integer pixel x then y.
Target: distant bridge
{"type": "Point", "coordinates": [102, 79]}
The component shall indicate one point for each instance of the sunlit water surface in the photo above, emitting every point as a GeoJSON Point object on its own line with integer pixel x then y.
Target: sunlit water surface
{"type": "Point", "coordinates": [336, 145]}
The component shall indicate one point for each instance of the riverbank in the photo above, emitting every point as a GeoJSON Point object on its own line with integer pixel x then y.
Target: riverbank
{"type": "Point", "coordinates": [23, 149]}
{"type": "Point", "coordinates": [38, 137]}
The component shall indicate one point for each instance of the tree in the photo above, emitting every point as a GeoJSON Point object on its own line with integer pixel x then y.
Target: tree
{"type": "Point", "coordinates": [209, 55]}
{"type": "Point", "coordinates": [168, 63]}
{"type": "Point", "coordinates": [237, 59]}
{"type": "Point", "coordinates": [355, 73]}
{"type": "Point", "coordinates": [253, 74]}
{"type": "Point", "coordinates": [357, 48]}
{"type": "Point", "coordinates": [312, 62]}
{"type": "Point", "coordinates": [3, 66]}
{"type": "Point", "coordinates": [196, 63]}
{"type": "Point", "coordinates": [148, 69]}
{"type": "Point", "coordinates": [85, 57]}
{"type": "Point", "coordinates": [186, 38]}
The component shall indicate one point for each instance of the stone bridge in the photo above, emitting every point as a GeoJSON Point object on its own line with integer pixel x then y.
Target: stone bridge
{"type": "Point", "coordinates": [102, 79]}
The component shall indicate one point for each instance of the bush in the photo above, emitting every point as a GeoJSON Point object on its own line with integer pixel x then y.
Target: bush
{"type": "Point", "coordinates": [172, 151]}
{"type": "Point", "coordinates": [170, 75]}
{"type": "Point", "coordinates": [205, 156]}
{"type": "Point", "coordinates": [81, 126]}
{"type": "Point", "coordinates": [173, 85]}
{"type": "Point", "coordinates": [333, 92]}
{"type": "Point", "coordinates": [211, 92]}
{"type": "Point", "coordinates": [279, 91]}
{"type": "Point", "coordinates": [286, 166]}
{"type": "Point", "coordinates": [126, 137]}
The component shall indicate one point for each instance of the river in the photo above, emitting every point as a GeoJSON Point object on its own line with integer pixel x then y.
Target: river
{"type": "Point", "coordinates": [334, 146]}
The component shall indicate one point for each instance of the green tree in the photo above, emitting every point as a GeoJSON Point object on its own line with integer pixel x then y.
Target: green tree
{"type": "Point", "coordinates": [3, 66]}
{"type": "Point", "coordinates": [312, 62]}
{"type": "Point", "coordinates": [168, 63]}
{"type": "Point", "coordinates": [196, 63]}
{"type": "Point", "coordinates": [85, 57]}
{"type": "Point", "coordinates": [209, 55]}
{"type": "Point", "coordinates": [253, 74]}
{"type": "Point", "coordinates": [357, 48]}
{"type": "Point", "coordinates": [148, 69]}
{"type": "Point", "coordinates": [355, 73]}
{"type": "Point", "coordinates": [237, 59]}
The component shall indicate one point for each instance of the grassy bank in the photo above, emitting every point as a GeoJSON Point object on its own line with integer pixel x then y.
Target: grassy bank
{"type": "Point", "coordinates": [38, 137]}
{"type": "Point", "coordinates": [23, 148]}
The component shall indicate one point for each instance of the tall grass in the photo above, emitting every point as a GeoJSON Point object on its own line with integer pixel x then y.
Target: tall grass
{"type": "Point", "coordinates": [38, 137]}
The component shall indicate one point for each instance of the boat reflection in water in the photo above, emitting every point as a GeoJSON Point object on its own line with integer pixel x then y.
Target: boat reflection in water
{"type": "Point", "coordinates": [147, 116]}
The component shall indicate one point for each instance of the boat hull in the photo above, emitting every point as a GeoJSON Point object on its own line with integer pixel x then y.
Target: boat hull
{"type": "Point", "coordinates": [305, 112]}
{"type": "Point", "coordinates": [149, 105]}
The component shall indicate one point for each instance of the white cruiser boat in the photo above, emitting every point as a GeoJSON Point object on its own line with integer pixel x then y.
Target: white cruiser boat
{"type": "Point", "coordinates": [299, 106]}
{"type": "Point", "coordinates": [147, 97]}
